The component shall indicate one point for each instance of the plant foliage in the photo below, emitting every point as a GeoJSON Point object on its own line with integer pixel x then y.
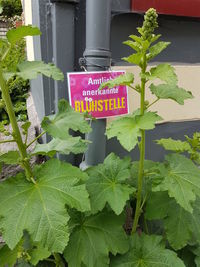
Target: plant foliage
{"type": "Point", "coordinates": [57, 215]}
{"type": "Point", "coordinates": [92, 239]}
{"type": "Point", "coordinates": [11, 8]}
{"type": "Point", "coordinates": [18, 86]}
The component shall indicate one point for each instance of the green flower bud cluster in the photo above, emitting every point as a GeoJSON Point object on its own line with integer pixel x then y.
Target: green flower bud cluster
{"type": "Point", "coordinates": [150, 23]}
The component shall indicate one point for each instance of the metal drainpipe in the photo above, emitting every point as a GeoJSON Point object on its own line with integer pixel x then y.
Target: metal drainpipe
{"type": "Point", "coordinates": [97, 58]}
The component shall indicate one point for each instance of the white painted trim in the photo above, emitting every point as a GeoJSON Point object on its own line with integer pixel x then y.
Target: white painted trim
{"type": "Point", "coordinates": [28, 20]}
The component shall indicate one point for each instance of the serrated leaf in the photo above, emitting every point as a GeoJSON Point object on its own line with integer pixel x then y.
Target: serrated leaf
{"type": "Point", "coordinates": [133, 45]}
{"type": "Point", "coordinates": [155, 37]}
{"type": "Point", "coordinates": [148, 120]}
{"type": "Point", "coordinates": [174, 145]}
{"type": "Point", "coordinates": [197, 261]}
{"type": "Point", "coordinates": [164, 72]}
{"type": "Point", "coordinates": [147, 251]}
{"type": "Point", "coordinates": [31, 69]}
{"type": "Point", "coordinates": [158, 205]}
{"type": "Point", "coordinates": [170, 91]}
{"type": "Point", "coordinates": [181, 180]}
{"type": "Point", "coordinates": [136, 38]}
{"type": "Point", "coordinates": [11, 157]}
{"type": "Point", "coordinates": [15, 35]}
{"type": "Point", "coordinates": [35, 251]}
{"type": "Point", "coordinates": [127, 129]}
{"type": "Point", "coordinates": [124, 79]}
{"type": "Point", "coordinates": [180, 226]}
{"type": "Point", "coordinates": [58, 126]}
{"type": "Point", "coordinates": [197, 258]}
{"type": "Point", "coordinates": [41, 208]}
{"type": "Point", "coordinates": [177, 226]}
{"type": "Point", "coordinates": [72, 145]}
{"type": "Point", "coordinates": [107, 184]}
{"type": "Point", "coordinates": [194, 141]}
{"type": "Point", "coordinates": [134, 58]}
{"type": "Point", "coordinates": [8, 257]}
{"type": "Point", "coordinates": [93, 238]}
{"type": "Point", "coordinates": [38, 253]}
{"type": "Point", "coordinates": [176, 219]}
{"type": "Point", "coordinates": [157, 49]}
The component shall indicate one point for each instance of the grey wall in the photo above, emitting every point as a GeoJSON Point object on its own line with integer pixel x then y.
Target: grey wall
{"type": "Point", "coordinates": [121, 5]}
{"type": "Point", "coordinates": [56, 20]}
{"type": "Point", "coordinates": [182, 32]}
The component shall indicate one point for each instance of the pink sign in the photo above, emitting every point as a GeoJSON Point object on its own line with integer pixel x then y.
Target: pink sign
{"type": "Point", "coordinates": [85, 96]}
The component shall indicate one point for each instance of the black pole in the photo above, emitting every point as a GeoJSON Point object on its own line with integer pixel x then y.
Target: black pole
{"type": "Point", "coordinates": [97, 58]}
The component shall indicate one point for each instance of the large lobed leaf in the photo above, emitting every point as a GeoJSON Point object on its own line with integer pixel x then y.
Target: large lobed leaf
{"type": "Point", "coordinates": [134, 58]}
{"type": "Point", "coordinates": [174, 145]}
{"type": "Point", "coordinates": [157, 49]}
{"type": "Point", "coordinates": [181, 226]}
{"type": "Point", "coordinates": [164, 72]}
{"type": "Point", "coordinates": [15, 35]}
{"type": "Point", "coordinates": [127, 129]}
{"type": "Point", "coordinates": [107, 184]}
{"type": "Point", "coordinates": [134, 45]}
{"type": "Point", "coordinates": [41, 208]}
{"type": "Point", "coordinates": [33, 251]}
{"type": "Point", "coordinates": [197, 259]}
{"type": "Point", "coordinates": [181, 179]}
{"type": "Point", "coordinates": [147, 251]}
{"type": "Point", "coordinates": [31, 69]}
{"type": "Point", "coordinates": [171, 91]}
{"type": "Point", "coordinates": [10, 157]}
{"type": "Point", "coordinates": [8, 257]}
{"type": "Point", "coordinates": [123, 79]}
{"type": "Point", "coordinates": [58, 126]}
{"type": "Point", "coordinates": [74, 145]}
{"type": "Point", "coordinates": [93, 238]}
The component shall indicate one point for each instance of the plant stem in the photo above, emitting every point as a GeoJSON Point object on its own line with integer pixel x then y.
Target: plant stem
{"type": "Point", "coordinates": [40, 135]}
{"type": "Point", "coordinates": [7, 141]}
{"type": "Point", "coordinates": [132, 87]}
{"type": "Point", "coordinates": [59, 261]}
{"type": "Point", "coordinates": [6, 52]}
{"type": "Point", "coordinates": [16, 133]}
{"type": "Point", "coordinates": [26, 139]}
{"type": "Point", "coordinates": [142, 152]}
{"type": "Point", "coordinates": [50, 260]}
{"type": "Point", "coordinates": [153, 103]}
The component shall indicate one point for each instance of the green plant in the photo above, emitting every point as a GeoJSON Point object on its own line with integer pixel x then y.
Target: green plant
{"type": "Point", "coordinates": [18, 87]}
{"type": "Point", "coordinates": [167, 194]}
{"type": "Point", "coordinates": [15, 55]}
{"type": "Point", "coordinates": [37, 199]}
{"type": "Point", "coordinates": [54, 214]}
{"type": "Point", "coordinates": [10, 8]}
